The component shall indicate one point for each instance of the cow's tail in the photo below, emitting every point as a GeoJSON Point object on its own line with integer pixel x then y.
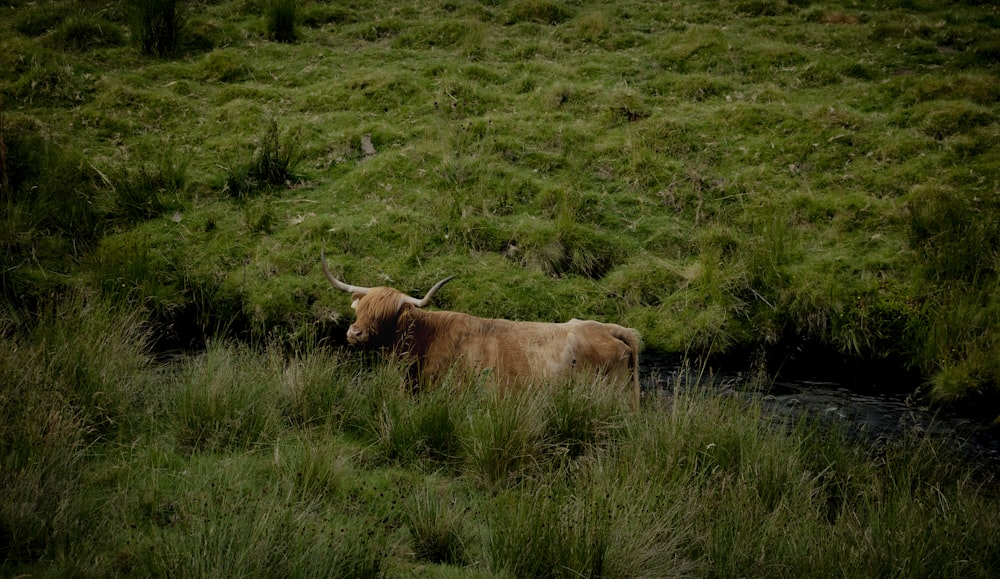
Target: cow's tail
{"type": "Point", "coordinates": [631, 338]}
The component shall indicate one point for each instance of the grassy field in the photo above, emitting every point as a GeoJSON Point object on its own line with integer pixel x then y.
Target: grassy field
{"type": "Point", "coordinates": [242, 462]}
{"type": "Point", "coordinates": [724, 176]}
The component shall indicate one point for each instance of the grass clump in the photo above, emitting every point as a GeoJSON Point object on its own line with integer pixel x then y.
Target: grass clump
{"type": "Point", "coordinates": [566, 248]}
{"type": "Point", "coordinates": [214, 511]}
{"type": "Point", "coordinates": [85, 32]}
{"type": "Point", "coordinates": [37, 22]}
{"type": "Point", "coordinates": [504, 441]}
{"type": "Point", "coordinates": [156, 26]}
{"type": "Point", "coordinates": [437, 527]}
{"type": "Point", "coordinates": [281, 18]}
{"type": "Point", "coordinates": [583, 417]}
{"type": "Point", "coordinates": [426, 429]}
{"type": "Point", "coordinates": [53, 186]}
{"type": "Point", "coordinates": [603, 528]}
{"type": "Point", "coordinates": [221, 402]}
{"type": "Point", "coordinates": [225, 66]}
{"type": "Point", "coordinates": [540, 11]}
{"type": "Point", "coordinates": [142, 192]}
{"type": "Point", "coordinates": [957, 232]}
{"type": "Point", "coordinates": [273, 163]}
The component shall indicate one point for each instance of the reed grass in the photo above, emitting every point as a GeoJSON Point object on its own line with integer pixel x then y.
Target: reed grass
{"type": "Point", "coordinates": [309, 463]}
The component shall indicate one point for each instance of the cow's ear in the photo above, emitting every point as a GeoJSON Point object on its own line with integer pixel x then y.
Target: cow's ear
{"type": "Point", "coordinates": [355, 299]}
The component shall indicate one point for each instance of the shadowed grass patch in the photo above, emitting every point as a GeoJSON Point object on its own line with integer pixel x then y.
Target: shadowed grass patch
{"type": "Point", "coordinates": [281, 19]}
{"type": "Point", "coordinates": [437, 526]}
{"type": "Point", "coordinates": [55, 186]}
{"type": "Point", "coordinates": [80, 378]}
{"type": "Point", "coordinates": [156, 26]}
{"type": "Point", "coordinates": [84, 33]}
{"type": "Point", "coordinates": [540, 11]}
{"type": "Point", "coordinates": [273, 163]}
{"type": "Point", "coordinates": [222, 401]}
{"type": "Point", "coordinates": [567, 248]}
{"type": "Point", "coordinates": [146, 191]}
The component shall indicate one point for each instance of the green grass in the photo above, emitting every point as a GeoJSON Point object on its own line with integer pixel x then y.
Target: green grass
{"type": "Point", "coordinates": [724, 176]}
{"type": "Point", "coordinates": [155, 26]}
{"type": "Point", "coordinates": [313, 463]}
{"type": "Point", "coordinates": [281, 20]}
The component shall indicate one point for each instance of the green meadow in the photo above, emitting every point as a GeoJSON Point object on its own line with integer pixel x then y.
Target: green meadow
{"type": "Point", "coordinates": [729, 177]}
{"type": "Point", "coordinates": [720, 175]}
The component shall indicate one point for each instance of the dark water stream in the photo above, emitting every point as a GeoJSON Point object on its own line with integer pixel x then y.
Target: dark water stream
{"type": "Point", "coordinates": [874, 412]}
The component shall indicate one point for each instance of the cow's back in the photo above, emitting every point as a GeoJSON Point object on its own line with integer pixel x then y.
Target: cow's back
{"type": "Point", "coordinates": [518, 353]}
{"type": "Point", "coordinates": [512, 352]}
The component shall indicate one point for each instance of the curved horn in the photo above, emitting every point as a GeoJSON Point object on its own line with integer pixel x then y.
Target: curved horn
{"type": "Point", "coordinates": [430, 293]}
{"type": "Point", "coordinates": [352, 289]}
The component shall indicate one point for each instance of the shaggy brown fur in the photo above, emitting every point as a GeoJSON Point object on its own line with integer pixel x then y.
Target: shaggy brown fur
{"type": "Point", "coordinates": [512, 353]}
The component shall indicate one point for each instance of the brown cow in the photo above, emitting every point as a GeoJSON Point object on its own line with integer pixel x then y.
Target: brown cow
{"type": "Point", "coordinates": [510, 352]}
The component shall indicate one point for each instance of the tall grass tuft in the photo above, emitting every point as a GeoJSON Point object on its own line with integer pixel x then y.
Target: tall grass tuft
{"type": "Point", "coordinates": [317, 467]}
{"type": "Point", "coordinates": [584, 415]}
{"type": "Point", "coordinates": [41, 471]}
{"type": "Point", "coordinates": [436, 526]}
{"type": "Point", "coordinates": [281, 20]}
{"type": "Point", "coordinates": [224, 523]}
{"type": "Point", "coordinates": [273, 163]}
{"type": "Point", "coordinates": [503, 440]}
{"type": "Point", "coordinates": [156, 26]}
{"type": "Point", "coordinates": [145, 191]}
{"type": "Point", "coordinates": [426, 427]}
{"type": "Point", "coordinates": [94, 357]}
{"type": "Point", "coordinates": [599, 521]}
{"type": "Point", "coordinates": [52, 187]}
{"type": "Point", "coordinates": [81, 378]}
{"type": "Point", "coordinates": [223, 399]}
{"type": "Point", "coordinates": [318, 390]}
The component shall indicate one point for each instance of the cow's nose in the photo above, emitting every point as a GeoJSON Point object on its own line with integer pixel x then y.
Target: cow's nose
{"type": "Point", "coordinates": [353, 334]}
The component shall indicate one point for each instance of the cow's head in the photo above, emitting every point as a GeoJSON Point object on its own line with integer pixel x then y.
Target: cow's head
{"type": "Point", "coordinates": [378, 309]}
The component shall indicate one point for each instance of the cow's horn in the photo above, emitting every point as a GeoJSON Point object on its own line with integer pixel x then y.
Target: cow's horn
{"type": "Point", "coordinates": [351, 289]}
{"type": "Point", "coordinates": [430, 293]}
